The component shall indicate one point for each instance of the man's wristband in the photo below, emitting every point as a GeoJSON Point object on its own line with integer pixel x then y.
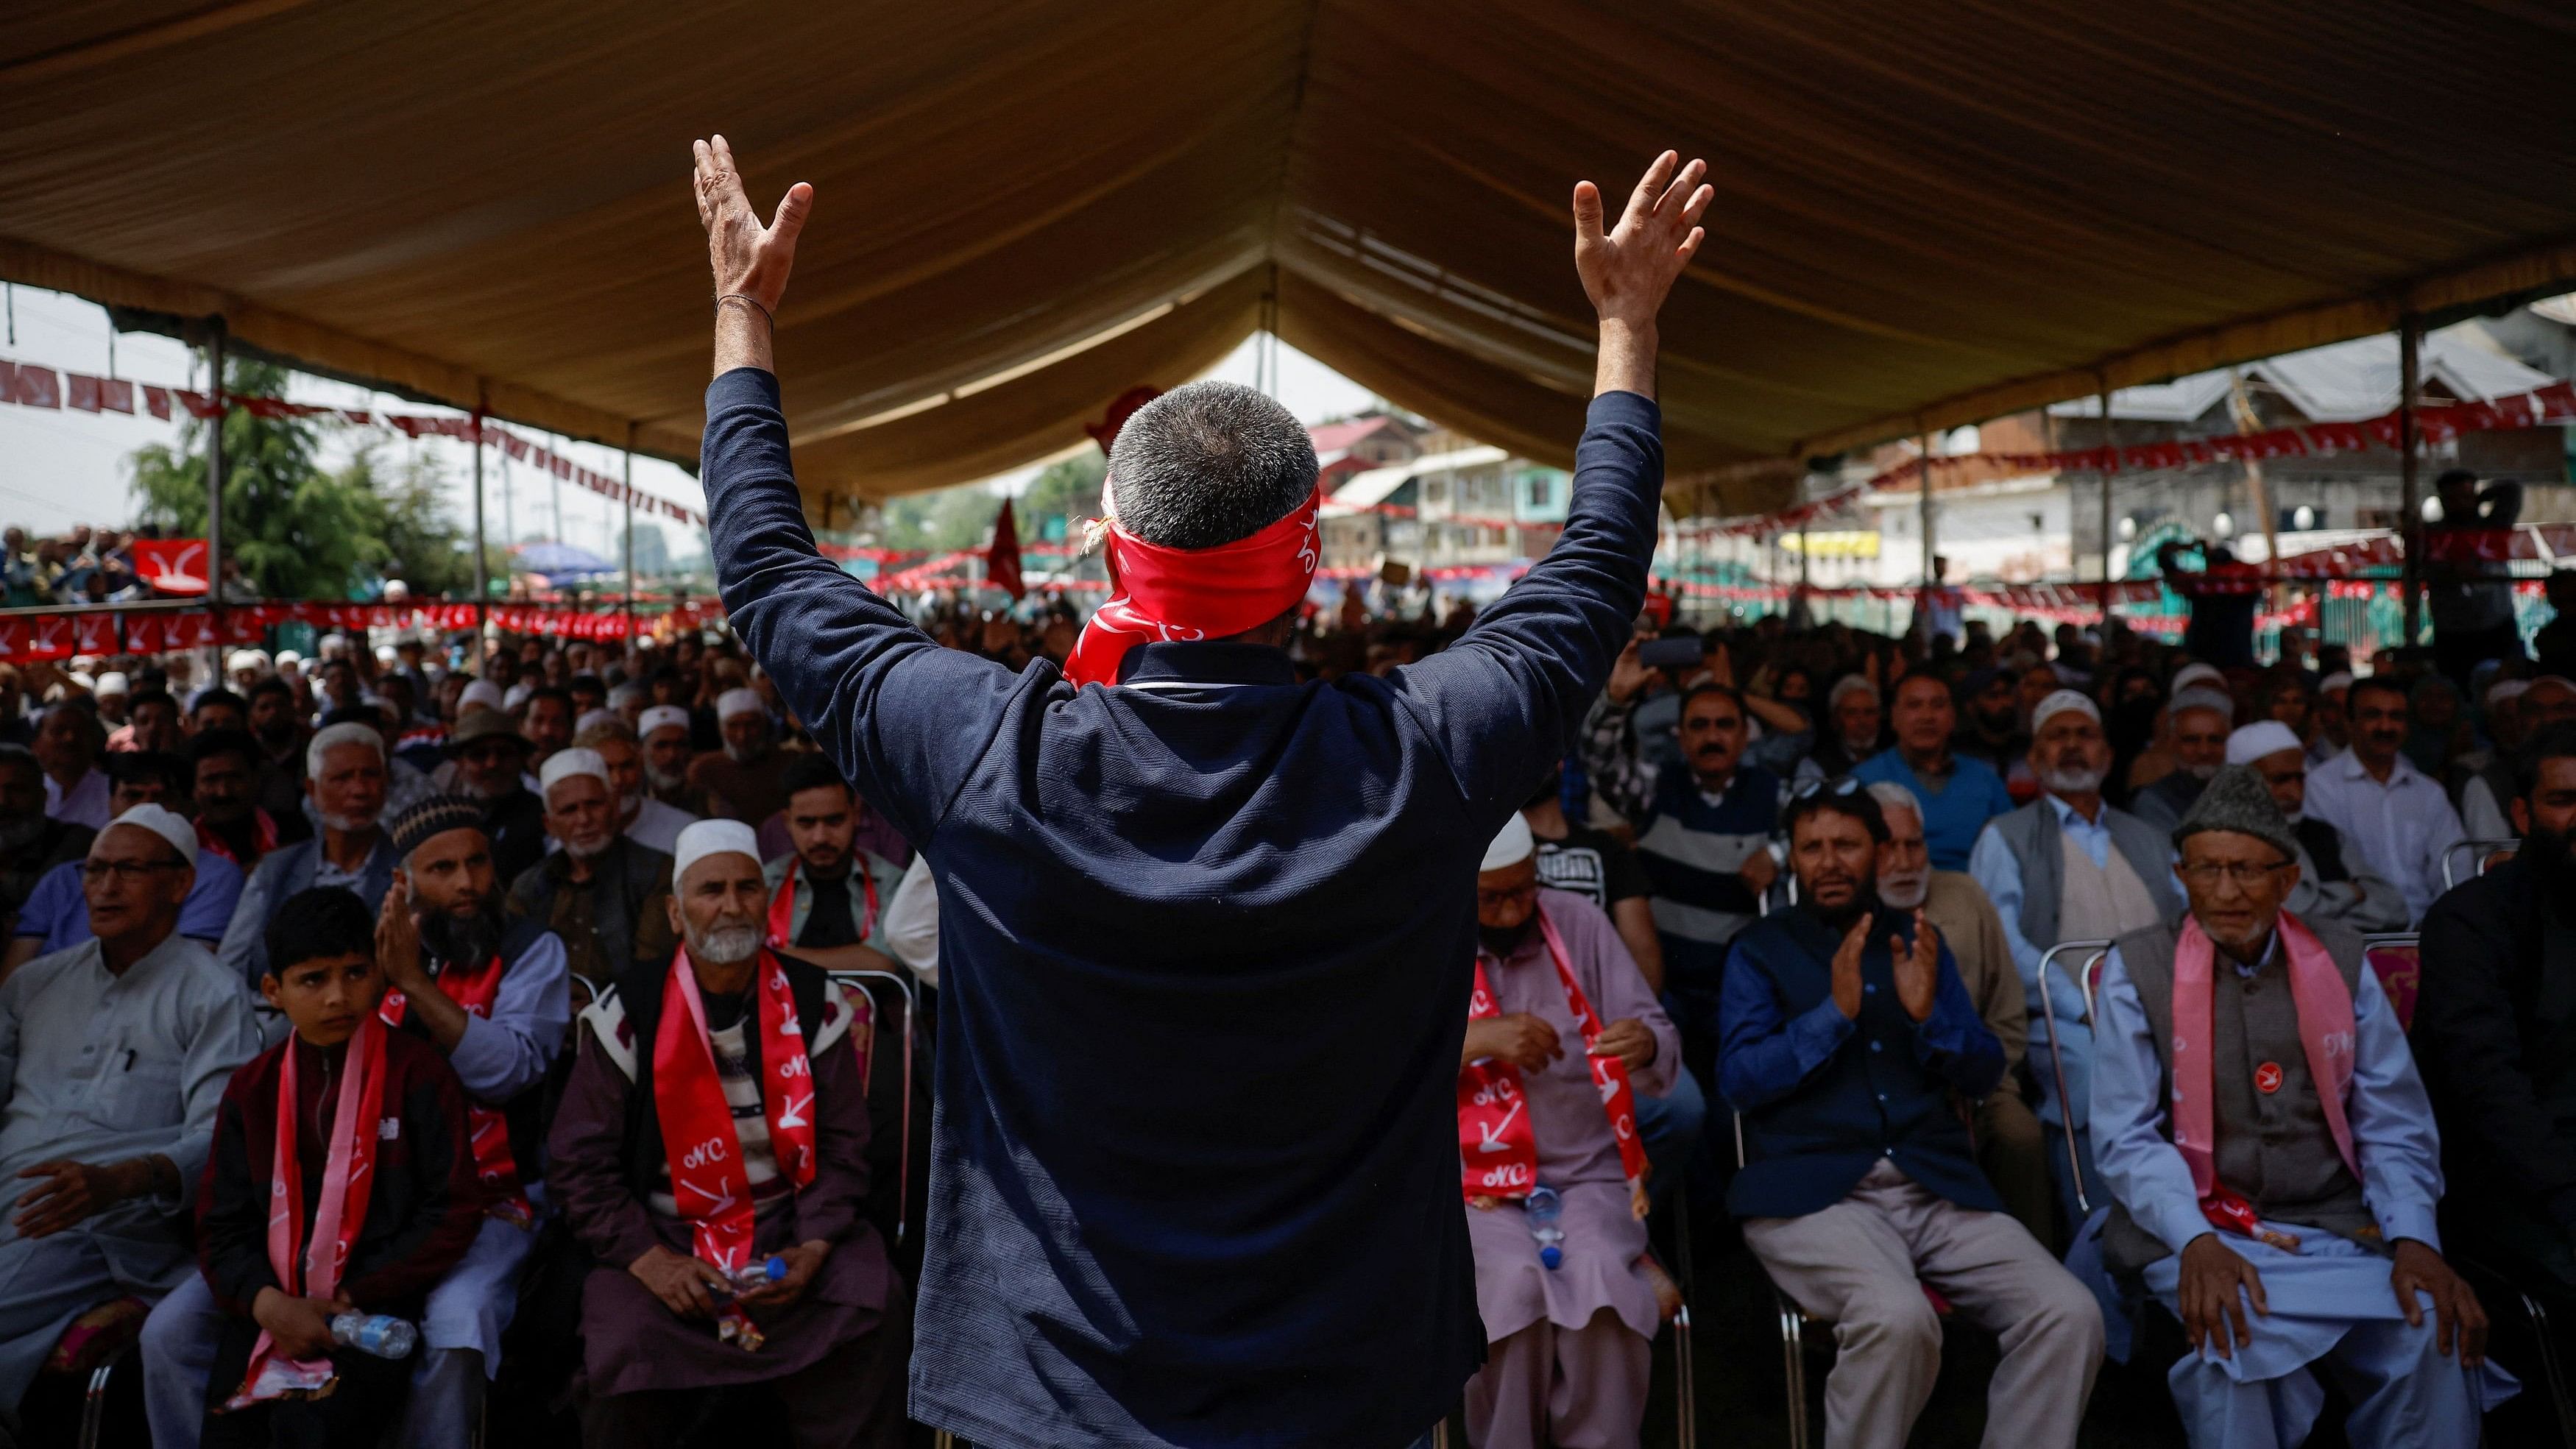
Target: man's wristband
{"type": "Point", "coordinates": [753, 301]}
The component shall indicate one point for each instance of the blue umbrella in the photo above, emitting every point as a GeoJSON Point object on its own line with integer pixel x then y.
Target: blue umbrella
{"type": "Point", "coordinates": [559, 561]}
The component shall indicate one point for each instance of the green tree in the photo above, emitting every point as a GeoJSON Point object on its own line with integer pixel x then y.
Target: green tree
{"type": "Point", "coordinates": [942, 522]}
{"type": "Point", "coordinates": [423, 543]}
{"type": "Point", "coordinates": [299, 533]}
{"type": "Point", "coordinates": [1067, 489]}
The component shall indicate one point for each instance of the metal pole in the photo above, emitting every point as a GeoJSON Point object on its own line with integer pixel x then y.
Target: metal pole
{"type": "Point", "coordinates": [1929, 582]}
{"type": "Point", "coordinates": [2410, 522]}
{"type": "Point", "coordinates": [215, 483]}
{"type": "Point", "coordinates": [2110, 443]}
{"type": "Point", "coordinates": [482, 564]}
{"type": "Point", "coordinates": [629, 492]}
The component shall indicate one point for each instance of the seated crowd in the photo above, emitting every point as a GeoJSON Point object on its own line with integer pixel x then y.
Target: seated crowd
{"type": "Point", "coordinates": [508, 1004]}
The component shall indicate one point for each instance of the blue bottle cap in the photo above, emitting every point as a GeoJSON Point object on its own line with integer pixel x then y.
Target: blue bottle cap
{"type": "Point", "coordinates": [1551, 1255]}
{"type": "Point", "coordinates": [775, 1270]}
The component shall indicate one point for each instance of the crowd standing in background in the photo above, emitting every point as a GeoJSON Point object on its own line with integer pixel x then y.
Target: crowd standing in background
{"type": "Point", "coordinates": [1798, 876]}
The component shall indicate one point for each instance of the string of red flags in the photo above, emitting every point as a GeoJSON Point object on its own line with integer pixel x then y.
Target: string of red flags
{"type": "Point", "coordinates": [28, 385]}
{"type": "Point", "coordinates": [2440, 423]}
{"type": "Point", "coordinates": [155, 631]}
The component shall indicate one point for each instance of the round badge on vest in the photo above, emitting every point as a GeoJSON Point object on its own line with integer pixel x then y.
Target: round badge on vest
{"type": "Point", "coordinates": [2267, 1078]}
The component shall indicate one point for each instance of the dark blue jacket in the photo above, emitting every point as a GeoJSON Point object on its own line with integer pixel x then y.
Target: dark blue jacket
{"type": "Point", "coordinates": [1205, 950]}
{"type": "Point", "coordinates": [1824, 1095]}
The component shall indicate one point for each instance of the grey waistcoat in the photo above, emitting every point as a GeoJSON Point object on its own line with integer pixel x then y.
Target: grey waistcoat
{"type": "Point", "coordinates": [2273, 1147]}
{"type": "Point", "coordinates": [2031, 833]}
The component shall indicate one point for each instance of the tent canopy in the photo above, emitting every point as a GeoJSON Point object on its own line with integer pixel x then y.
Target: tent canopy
{"type": "Point", "coordinates": [1926, 215]}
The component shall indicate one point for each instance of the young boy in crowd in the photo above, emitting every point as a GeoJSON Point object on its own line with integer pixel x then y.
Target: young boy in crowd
{"type": "Point", "coordinates": [360, 1134]}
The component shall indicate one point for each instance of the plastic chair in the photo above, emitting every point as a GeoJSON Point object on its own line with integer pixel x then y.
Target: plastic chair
{"type": "Point", "coordinates": [911, 1012]}
{"type": "Point", "coordinates": [2397, 959]}
{"type": "Point", "coordinates": [2057, 1059]}
{"type": "Point", "coordinates": [1685, 1388]}
{"type": "Point", "coordinates": [2480, 851]}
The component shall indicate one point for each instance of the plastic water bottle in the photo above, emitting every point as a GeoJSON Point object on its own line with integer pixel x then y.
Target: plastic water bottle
{"type": "Point", "coordinates": [380, 1334]}
{"type": "Point", "coordinates": [1543, 1209]}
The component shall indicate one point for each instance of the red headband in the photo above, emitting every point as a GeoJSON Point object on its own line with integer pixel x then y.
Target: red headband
{"type": "Point", "coordinates": [1182, 595]}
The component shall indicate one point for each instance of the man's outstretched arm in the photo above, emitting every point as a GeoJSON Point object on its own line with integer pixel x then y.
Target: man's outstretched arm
{"type": "Point", "coordinates": [903, 717]}
{"type": "Point", "coordinates": [1506, 701]}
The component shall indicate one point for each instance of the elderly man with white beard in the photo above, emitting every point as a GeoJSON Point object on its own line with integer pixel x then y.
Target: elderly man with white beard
{"type": "Point", "coordinates": [664, 730]}
{"type": "Point", "coordinates": [2330, 886]}
{"type": "Point", "coordinates": [601, 890]}
{"type": "Point", "coordinates": [2011, 1146]}
{"type": "Point", "coordinates": [344, 781]}
{"type": "Point", "coordinates": [2069, 866]}
{"type": "Point", "coordinates": [710, 1152]}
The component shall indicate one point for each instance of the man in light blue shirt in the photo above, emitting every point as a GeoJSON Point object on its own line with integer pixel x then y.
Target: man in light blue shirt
{"type": "Point", "coordinates": [2397, 820]}
{"type": "Point", "coordinates": [113, 1056]}
{"type": "Point", "coordinates": [1959, 794]}
{"type": "Point", "coordinates": [2303, 1231]}
{"type": "Point", "coordinates": [2069, 867]}
{"type": "Point", "coordinates": [56, 916]}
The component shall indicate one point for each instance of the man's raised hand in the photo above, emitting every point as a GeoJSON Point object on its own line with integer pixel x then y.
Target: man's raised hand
{"type": "Point", "coordinates": [1627, 270]}
{"type": "Point", "coordinates": [1918, 970]}
{"type": "Point", "coordinates": [749, 260]}
{"type": "Point", "coordinates": [1847, 981]}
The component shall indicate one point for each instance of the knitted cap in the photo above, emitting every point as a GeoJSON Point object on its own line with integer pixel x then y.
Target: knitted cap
{"type": "Point", "coordinates": [434, 816]}
{"type": "Point", "coordinates": [2238, 800]}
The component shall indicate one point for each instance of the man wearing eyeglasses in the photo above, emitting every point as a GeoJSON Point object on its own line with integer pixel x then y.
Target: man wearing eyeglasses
{"type": "Point", "coordinates": [2272, 1159]}
{"type": "Point", "coordinates": [56, 917]}
{"type": "Point", "coordinates": [113, 1056]}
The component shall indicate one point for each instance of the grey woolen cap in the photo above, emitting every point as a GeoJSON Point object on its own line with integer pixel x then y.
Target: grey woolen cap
{"type": "Point", "coordinates": [2237, 799]}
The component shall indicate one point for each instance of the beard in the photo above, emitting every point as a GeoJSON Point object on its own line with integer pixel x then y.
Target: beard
{"type": "Point", "coordinates": [590, 849]}
{"type": "Point", "coordinates": [2203, 773]}
{"type": "Point", "coordinates": [723, 944]}
{"type": "Point", "coordinates": [661, 781]}
{"type": "Point", "coordinates": [2549, 852]}
{"type": "Point", "coordinates": [1905, 890]}
{"type": "Point", "coordinates": [347, 824]}
{"type": "Point", "coordinates": [2072, 779]}
{"type": "Point", "coordinates": [468, 939]}
{"type": "Point", "coordinates": [1502, 940]}
{"type": "Point", "coordinates": [1839, 919]}
{"type": "Point", "coordinates": [746, 755]}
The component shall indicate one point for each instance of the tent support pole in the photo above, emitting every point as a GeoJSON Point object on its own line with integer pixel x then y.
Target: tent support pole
{"type": "Point", "coordinates": [482, 562]}
{"type": "Point", "coordinates": [2110, 441]}
{"type": "Point", "coordinates": [1924, 609]}
{"type": "Point", "coordinates": [2410, 521]}
{"type": "Point", "coordinates": [215, 487]}
{"type": "Point", "coordinates": [628, 494]}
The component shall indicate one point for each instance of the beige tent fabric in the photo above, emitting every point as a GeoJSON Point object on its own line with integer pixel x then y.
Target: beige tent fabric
{"type": "Point", "coordinates": [1926, 214]}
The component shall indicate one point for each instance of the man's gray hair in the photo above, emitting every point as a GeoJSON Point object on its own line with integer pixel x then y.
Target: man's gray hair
{"type": "Point", "coordinates": [332, 737]}
{"type": "Point", "coordinates": [1207, 464]}
{"type": "Point", "coordinates": [1849, 684]}
{"type": "Point", "coordinates": [1893, 796]}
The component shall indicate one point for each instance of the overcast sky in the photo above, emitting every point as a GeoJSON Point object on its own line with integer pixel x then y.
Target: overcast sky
{"type": "Point", "coordinates": [58, 468]}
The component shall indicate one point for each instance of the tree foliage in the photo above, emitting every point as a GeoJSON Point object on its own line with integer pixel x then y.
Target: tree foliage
{"type": "Point", "coordinates": [298, 531]}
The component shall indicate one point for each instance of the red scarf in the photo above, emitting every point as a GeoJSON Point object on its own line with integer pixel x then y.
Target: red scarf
{"type": "Point", "coordinates": [709, 1183]}
{"type": "Point", "coordinates": [1165, 595]}
{"type": "Point", "coordinates": [490, 1130]}
{"type": "Point", "coordinates": [2326, 1034]}
{"type": "Point", "coordinates": [263, 839]}
{"type": "Point", "coordinates": [1497, 1147]}
{"type": "Point", "coordinates": [782, 906]}
{"type": "Point", "coordinates": [313, 1270]}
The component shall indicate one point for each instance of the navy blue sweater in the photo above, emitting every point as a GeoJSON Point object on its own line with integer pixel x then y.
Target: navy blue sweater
{"type": "Point", "coordinates": [1205, 950]}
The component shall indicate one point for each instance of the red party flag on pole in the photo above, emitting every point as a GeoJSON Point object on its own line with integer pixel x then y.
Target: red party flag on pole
{"type": "Point", "coordinates": [1002, 560]}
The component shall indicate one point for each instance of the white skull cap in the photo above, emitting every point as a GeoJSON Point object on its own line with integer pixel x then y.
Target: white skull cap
{"type": "Point", "coordinates": [712, 837]}
{"type": "Point", "coordinates": [166, 823]}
